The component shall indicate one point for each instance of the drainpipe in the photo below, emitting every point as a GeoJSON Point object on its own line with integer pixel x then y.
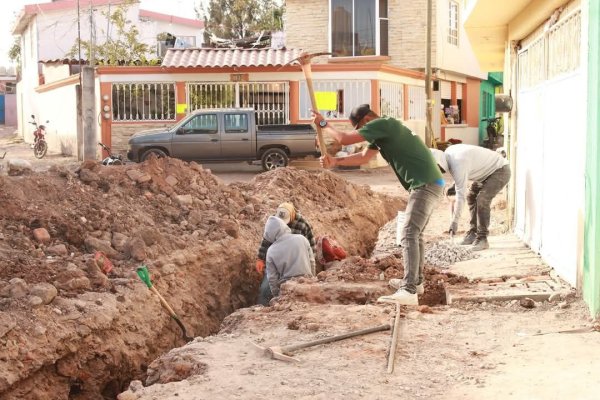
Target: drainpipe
{"type": "Point", "coordinates": [429, 128]}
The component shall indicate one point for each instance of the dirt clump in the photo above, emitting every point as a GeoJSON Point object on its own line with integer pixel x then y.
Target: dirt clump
{"type": "Point", "coordinates": [70, 330]}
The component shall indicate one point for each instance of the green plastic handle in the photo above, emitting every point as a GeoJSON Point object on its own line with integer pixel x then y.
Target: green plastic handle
{"type": "Point", "coordinates": [144, 275]}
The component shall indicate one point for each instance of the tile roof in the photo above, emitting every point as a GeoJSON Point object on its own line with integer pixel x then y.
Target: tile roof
{"type": "Point", "coordinates": [228, 57]}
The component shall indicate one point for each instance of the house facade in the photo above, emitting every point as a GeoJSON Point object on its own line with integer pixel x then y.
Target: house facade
{"type": "Point", "coordinates": [49, 32]}
{"type": "Point", "coordinates": [548, 51]}
{"type": "Point", "coordinates": [393, 32]}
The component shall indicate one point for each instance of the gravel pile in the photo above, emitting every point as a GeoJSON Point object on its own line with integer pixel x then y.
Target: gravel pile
{"type": "Point", "coordinates": [442, 254]}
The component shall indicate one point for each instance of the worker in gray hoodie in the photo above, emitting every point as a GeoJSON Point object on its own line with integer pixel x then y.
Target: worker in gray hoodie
{"type": "Point", "coordinates": [489, 172]}
{"type": "Point", "coordinates": [289, 255]}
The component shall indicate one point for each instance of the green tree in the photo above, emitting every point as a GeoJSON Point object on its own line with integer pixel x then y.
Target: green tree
{"type": "Point", "coordinates": [124, 47]}
{"type": "Point", "coordinates": [14, 53]}
{"type": "Point", "coordinates": [240, 19]}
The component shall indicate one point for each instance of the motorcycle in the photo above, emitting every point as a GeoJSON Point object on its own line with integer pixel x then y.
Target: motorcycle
{"type": "Point", "coordinates": [111, 159]}
{"type": "Point", "coordinates": [40, 147]}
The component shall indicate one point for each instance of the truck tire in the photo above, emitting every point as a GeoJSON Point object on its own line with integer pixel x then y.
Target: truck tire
{"type": "Point", "coordinates": [156, 152]}
{"type": "Point", "coordinates": [274, 158]}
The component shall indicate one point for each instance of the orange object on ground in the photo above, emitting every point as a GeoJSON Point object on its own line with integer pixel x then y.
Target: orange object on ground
{"type": "Point", "coordinates": [328, 249]}
{"type": "Point", "coordinates": [103, 262]}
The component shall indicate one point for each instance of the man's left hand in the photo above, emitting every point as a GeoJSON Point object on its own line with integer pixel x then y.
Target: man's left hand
{"type": "Point", "coordinates": [453, 228]}
{"type": "Point", "coordinates": [317, 117]}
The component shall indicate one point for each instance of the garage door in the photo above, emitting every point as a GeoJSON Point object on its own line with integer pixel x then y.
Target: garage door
{"type": "Point", "coordinates": [551, 144]}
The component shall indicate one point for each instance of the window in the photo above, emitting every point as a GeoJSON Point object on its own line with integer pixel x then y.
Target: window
{"type": "Point", "coordinates": [236, 123]}
{"type": "Point", "coordinates": [203, 123]}
{"type": "Point", "coordinates": [359, 28]}
{"type": "Point", "coordinates": [453, 23]}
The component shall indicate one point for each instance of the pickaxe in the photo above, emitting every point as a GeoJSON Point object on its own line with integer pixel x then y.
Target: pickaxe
{"type": "Point", "coordinates": [304, 60]}
{"type": "Point", "coordinates": [284, 352]}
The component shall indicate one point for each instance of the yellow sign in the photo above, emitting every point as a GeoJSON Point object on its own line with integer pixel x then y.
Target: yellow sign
{"type": "Point", "coordinates": [181, 108]}
{"type": "Point", "coordinates": [326, 101]}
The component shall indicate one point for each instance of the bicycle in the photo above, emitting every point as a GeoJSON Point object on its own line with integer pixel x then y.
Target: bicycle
{"type": "Point", "coordinates": [492, 132]}
{"type": "Point", "coordinates": [40, 147]}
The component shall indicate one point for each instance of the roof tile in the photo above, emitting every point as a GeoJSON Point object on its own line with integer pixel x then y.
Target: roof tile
{"type": "Point", "coordinates": [196, 57]}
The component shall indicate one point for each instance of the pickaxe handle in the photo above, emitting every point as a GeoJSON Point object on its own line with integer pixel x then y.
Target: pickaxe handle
{"type": "Point", "coordinates": [294, 347]}
{"type": "Point", "coordinates": [307, 69]}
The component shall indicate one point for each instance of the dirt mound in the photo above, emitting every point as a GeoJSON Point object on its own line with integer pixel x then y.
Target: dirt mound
{"type": "Point", "coordinates": [68, 330]}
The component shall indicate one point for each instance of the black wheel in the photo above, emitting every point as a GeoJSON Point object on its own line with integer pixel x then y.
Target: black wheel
{"type": "Point", "coordinates": [274, 158]}
{"type": "Point", "coordinates": [40, 149]}
{"type": "Point", "coordinates": [158, 153]}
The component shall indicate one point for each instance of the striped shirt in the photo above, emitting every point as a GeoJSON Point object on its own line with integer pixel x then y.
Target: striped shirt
{"type": "Point", "coordinates": [299, 226]}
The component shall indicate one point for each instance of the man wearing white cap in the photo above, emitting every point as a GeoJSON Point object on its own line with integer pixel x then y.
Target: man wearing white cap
{"type": "Point", "coordinates": [298, 225]}
{"type": "Point", "coordinates": [489, 172]}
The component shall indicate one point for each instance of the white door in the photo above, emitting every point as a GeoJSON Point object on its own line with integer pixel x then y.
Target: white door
{"type": "Point", "coordinates": [551, 145]}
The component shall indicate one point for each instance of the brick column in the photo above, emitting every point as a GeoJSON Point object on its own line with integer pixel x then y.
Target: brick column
{"type": "Point", "coordinates": [106, 125]}
{"type": "Point", "coordinates": [375, 96]}
{"type": "Point", "coordinates": [294, 102]}
{"type": "Point", "coordinates": [180, 101]}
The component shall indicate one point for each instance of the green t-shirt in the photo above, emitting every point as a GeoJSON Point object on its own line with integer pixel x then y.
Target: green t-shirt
{"type": "Point", "coordinates": [410, 159]}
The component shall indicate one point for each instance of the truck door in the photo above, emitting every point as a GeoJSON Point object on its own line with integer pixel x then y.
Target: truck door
{"type": "Point", "coordinates": [198, 139]}
{"type": "Point", "coordinates": [236, 139]}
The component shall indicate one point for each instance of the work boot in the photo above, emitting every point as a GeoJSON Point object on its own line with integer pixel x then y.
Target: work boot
{"type": "Point", "coordinates": [402, 297]}
{"type": "Point", "coordinates": [397, 282]}
{"type": "Point", "coordinates": [480, 244]}
{"type": "Point", "coordinates": [469, 239]}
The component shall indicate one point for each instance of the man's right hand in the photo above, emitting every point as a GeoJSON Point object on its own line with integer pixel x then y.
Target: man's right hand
{"type": "Point", "coordinates": [327, 161]}
{"type": "Point", "coordinates": [260, 266]}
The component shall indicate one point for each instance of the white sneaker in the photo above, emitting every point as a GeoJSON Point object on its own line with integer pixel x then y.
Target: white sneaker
{"type": "Point", "coordinates": [401, 297]}
{"type": "Point", "coordinates": [396, 282]}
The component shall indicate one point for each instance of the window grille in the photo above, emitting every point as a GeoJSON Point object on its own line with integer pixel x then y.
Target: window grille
{"type": "Point", "coordinates": [391, 99]}
{"type": "Point", "coordinates": [453, 23]}
{"type": "Point", "coordinates": [143, 101]}
{"type": "Point", "coordinates": [349, 95]}
{"type": "Point", "coordinates": [269, 99]}
{"type": "Point", "coordinates": [564, 46]}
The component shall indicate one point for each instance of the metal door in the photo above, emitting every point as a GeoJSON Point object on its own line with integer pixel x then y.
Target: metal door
{"type": "Point", "coordinates": [550, 155]}
{"type": "Point", "coordinates": [198, 138]}
{"type": "Point", "coordinates": [1, 109]}
{"type": "Point", "coordinates": [236, 139]}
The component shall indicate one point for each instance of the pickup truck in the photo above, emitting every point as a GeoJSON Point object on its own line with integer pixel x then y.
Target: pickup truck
{"type": "Point", "coordinates": [216, 135]}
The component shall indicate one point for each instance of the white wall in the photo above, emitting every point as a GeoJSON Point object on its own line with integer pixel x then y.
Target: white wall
{"type": "Point", "coordinates": [61, 131]}
{"type": "Point", "coordinates": [459, 59]}
{"type": "Point", "coordinates": [57, 30]}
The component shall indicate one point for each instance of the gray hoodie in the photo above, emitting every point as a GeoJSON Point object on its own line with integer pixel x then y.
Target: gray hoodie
{"type": "Point", "coordinates": [290, 255]}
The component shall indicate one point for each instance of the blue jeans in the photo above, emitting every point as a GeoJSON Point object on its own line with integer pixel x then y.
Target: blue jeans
{"type": "Point", "coordinates": [421, 203]}
{"type": "Point", "coordinates": [264, 292]}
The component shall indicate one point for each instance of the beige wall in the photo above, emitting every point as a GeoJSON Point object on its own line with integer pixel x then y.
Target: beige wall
{"type": "Point", "coordinates": [408, 33]}
{"type": "Point", "coordinates": [307, 28]}
{"type": "Point", "coordinates": [122, 132]}
{"type": "Point", "coordinates": [307, 25]}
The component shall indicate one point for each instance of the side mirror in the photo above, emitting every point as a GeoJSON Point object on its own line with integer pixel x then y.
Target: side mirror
{"type": "Point", "coordinates": [181, 131]}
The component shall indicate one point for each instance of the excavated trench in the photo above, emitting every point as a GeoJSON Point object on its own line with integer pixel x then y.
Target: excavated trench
{"type": "Point", "coordinates": [69, 331]}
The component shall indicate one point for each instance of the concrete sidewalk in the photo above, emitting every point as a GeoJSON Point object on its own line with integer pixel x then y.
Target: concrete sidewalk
{"type": "Point", "coordinates": [508, 270]}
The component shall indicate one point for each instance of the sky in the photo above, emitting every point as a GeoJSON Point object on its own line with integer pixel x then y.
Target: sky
{"type": "Point", "coordinates": [10, 8]}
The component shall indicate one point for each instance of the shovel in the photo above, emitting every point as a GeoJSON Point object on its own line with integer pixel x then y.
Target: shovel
{"type": "Point", "coordinates": [145, 277]}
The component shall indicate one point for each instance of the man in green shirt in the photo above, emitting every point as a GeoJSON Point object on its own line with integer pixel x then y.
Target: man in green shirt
{"type": "Point", "coordinates": [416, 170]}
